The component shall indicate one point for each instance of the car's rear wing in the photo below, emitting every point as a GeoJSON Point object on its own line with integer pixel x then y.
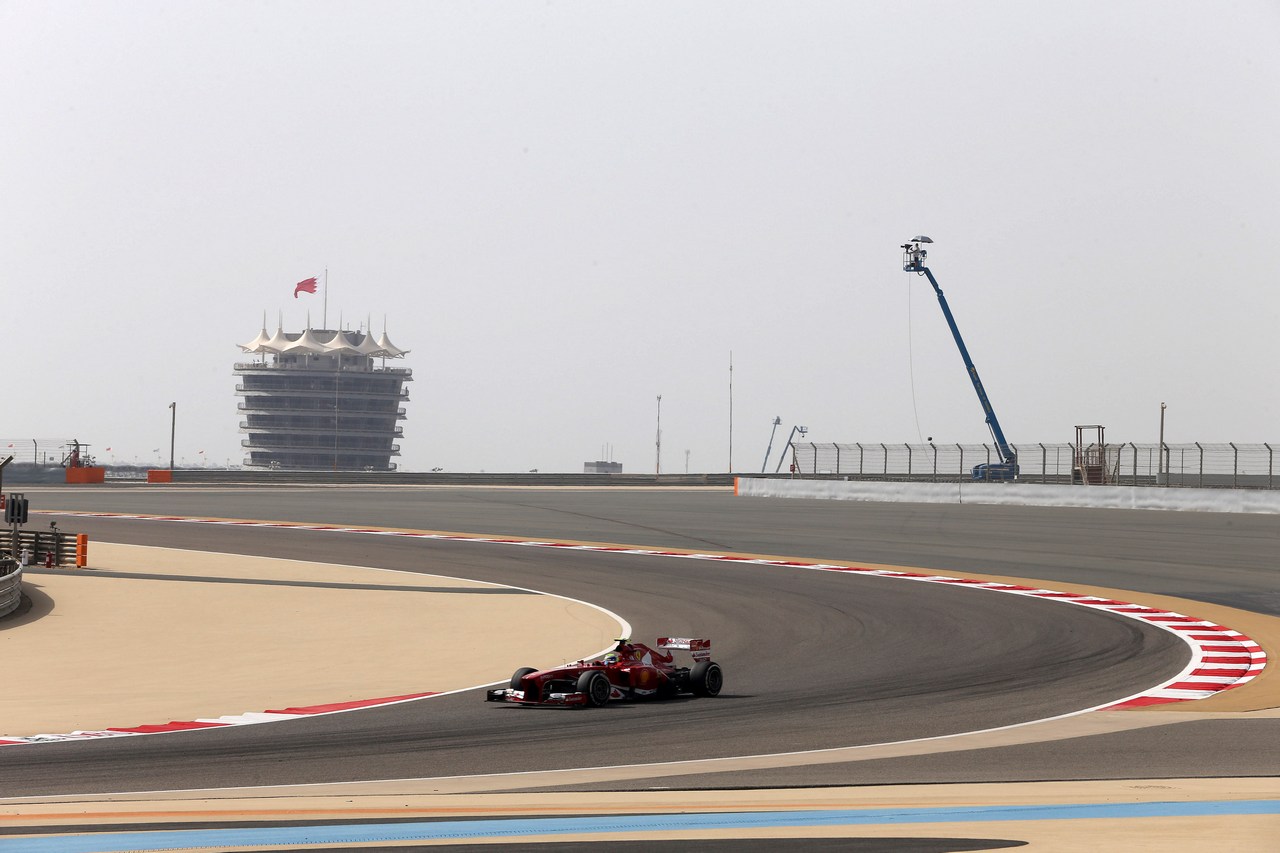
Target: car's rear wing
{"type": "Point", "coordinates": [700, 649]}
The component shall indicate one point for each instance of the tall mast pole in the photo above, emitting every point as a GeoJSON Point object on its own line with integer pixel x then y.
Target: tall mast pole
{"type": "Point", "coordinates": [657, 468]}
{"type": "Point", "coordinates": [730, 411]}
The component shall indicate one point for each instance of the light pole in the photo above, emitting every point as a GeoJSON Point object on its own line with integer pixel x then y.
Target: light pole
{"type": "Point", "coordinates": [173, 427]}
{"type": "Point", "coordinates": [730, 411]}
{"type": "Point", "coordinates": [658, 443]}
{"type": "Point", "coordinates": [1162, 476]}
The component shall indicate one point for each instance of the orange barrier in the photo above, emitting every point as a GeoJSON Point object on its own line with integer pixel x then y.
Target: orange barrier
{"type": "Point", "coordinates": [82, 550]}
{"type": "Point", "coordinates": [159, 475]}
{"type": "Point", "coordinates": [86, 475]}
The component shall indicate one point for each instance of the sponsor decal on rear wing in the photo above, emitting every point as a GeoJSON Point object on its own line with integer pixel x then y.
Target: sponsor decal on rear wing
{"type": "Point", "coordinates": [700, 649]}
{"type": "Point", "coordinates": [683, 643]}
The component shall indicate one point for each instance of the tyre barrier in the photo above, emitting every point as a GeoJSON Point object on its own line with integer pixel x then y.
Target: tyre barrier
{"type": "Point", "coordinates": [10, 586]}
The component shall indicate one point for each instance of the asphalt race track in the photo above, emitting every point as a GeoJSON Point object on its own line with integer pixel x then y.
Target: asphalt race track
{"type": "Point", "coordinates": [813, 660]}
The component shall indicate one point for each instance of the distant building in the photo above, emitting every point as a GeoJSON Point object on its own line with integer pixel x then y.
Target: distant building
{"type": "Point", "coordinates": [322, 400]}
{"type": "Point", "coordinates": [602, 467]}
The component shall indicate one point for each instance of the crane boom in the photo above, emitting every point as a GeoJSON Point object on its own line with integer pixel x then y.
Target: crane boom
{"type": "Point", "coordinates": [913, 257]}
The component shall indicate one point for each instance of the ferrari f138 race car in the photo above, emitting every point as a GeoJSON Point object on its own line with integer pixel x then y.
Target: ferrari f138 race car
{"type": "Point", "coordinates": [631, 671]}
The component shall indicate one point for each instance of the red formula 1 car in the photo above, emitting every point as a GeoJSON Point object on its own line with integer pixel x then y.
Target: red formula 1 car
{"type": "Point", "coordinates": [630, 671]}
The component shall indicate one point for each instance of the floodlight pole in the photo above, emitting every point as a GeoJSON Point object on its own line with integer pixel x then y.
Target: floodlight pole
{"type": "Point", "coordinates": [1162, 476]}
{"type": "Point", "coordinates": [658, 442]}
{"type": "Point", "coordinates": [730, 411]}
{"type": "Point", "coordinates": [173, 427]}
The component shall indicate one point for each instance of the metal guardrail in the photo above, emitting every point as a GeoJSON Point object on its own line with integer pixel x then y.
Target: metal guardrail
{"type": "Point", "coordinates": [1197, 465]}
{"type": "Point", "coordinates": [43, 547]}
{"type": "Point", "coordinates": [10, 586]}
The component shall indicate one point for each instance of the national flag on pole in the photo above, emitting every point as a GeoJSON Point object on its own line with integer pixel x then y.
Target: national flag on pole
{"type": "Point", "coordinates": [307, 284]}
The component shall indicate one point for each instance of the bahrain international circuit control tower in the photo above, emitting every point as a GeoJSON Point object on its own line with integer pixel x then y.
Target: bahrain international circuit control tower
{"type": "Point", "coordinates": [321, 400]}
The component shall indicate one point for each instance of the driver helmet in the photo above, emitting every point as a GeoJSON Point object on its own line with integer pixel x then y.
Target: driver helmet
{"type": "Point", "coordinates": [611, 658]}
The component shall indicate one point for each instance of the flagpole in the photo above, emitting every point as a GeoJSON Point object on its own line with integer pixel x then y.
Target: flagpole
{"type": "Point", "coordinates": [325, 319]}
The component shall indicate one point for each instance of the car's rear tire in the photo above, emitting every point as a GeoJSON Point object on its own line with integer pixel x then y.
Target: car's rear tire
{"type": "Point", "coordinates": [595, 686]}
{"type": "Point", "coordinates": [706, 678]}
{"type": "Point", "coordinates": [520, 674]}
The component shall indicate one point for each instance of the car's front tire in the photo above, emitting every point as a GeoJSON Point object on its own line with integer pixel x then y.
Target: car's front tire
{"type": "Point", "coordinates": [520, 674]}
{"type": "Point", "coordinates": [706, 678]}
{"type": "Point", "coordinates": [595, 686]}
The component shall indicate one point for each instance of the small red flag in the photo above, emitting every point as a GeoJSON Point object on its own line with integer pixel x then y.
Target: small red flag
{"type": "Point", "coordinates": [308, 284]}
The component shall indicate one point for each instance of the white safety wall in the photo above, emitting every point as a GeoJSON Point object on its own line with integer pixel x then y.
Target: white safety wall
{"type": "Point", "coordinates": [1020, 494]}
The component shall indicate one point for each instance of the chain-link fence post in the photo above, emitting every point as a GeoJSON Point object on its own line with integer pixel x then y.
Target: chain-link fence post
{"type": "Point", "coordinates": [1201, 449]}
{"type": "Point", "coordinates": [961, 449]}
{"type": "Point", "coordinates": [1235, 465]}
{"type": "Point", "coordinates": [1269, 455]}
{"type": "Point", "coordinates": [935, 461]}
{"type": "Point", "coordinates": [837, 447]}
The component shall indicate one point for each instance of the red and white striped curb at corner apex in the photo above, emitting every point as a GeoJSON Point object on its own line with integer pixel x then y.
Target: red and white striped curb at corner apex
{"type": "Point", "coordinates": [1221, 658]}
{"type": "Point", "coordinates": [219, 722]}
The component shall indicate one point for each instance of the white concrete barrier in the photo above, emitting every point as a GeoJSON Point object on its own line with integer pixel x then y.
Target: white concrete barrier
{"type": "Point", "coordinates": [1019, 494]}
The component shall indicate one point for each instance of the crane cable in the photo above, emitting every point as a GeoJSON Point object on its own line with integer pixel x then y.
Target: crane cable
{"type": "Point", "coordinates": [911, 368]}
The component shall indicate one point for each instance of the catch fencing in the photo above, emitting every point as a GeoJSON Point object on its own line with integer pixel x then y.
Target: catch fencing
{"type": "Point", "coordinates": [1198, 465]}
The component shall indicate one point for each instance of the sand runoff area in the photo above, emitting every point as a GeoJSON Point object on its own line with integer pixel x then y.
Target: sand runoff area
{"type": "Point", "coordinates": [152, 635]}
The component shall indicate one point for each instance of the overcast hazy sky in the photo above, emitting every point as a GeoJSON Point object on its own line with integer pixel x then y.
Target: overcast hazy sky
{"type": "Point", "coordinates": [564, 209]}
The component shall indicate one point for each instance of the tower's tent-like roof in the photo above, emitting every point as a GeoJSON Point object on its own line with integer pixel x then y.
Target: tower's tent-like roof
{"type": "Point", "coordinates": [278, 341]}
{"type": "Point", "coordinates": [391, 349]}
{"type": "Point", "coordinates": [306, 343]}
{"type": "Point", "coordinates": [258, 344]}
{"type": "Point", "coordinates": [368, 346]}
{"type": "Point", "coordinates": [341, 342]}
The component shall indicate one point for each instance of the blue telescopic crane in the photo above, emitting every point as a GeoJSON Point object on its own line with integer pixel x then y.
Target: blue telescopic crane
{"type": "Point", "coordinates": [913, 257]}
